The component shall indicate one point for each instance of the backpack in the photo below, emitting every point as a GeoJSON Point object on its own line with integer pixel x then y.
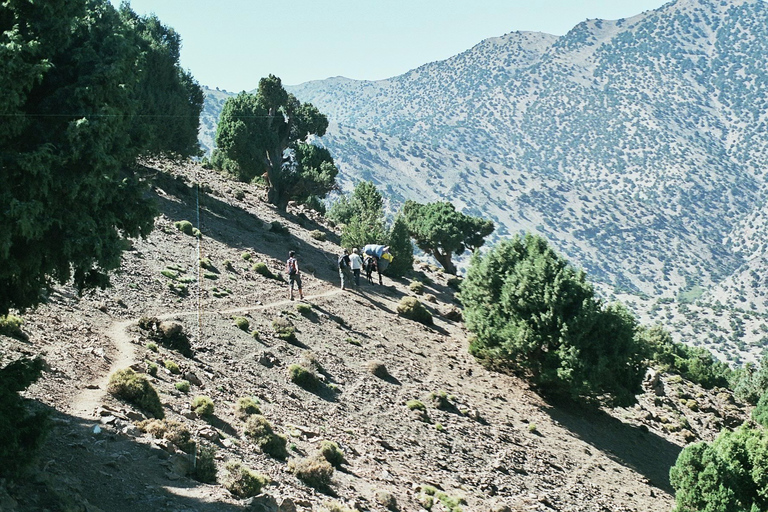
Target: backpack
{"type": "Point", "coordinates": [290, 267]}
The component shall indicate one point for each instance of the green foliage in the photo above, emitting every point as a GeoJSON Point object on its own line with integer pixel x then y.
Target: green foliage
{"type": "Point", "coordinates": [202, 405]}
{"type": "Point", "coordinates": [241, 323]}
{"type": "Point", "coordinates": [185, 227]}
{"type": "Point", "coordinates": [411, 308]}
{"type": "Point", "coordinates": [183, 386]}
{"type": "Point", "coordinates": [255, 131]}
{"type": "Point", "coordinates": [152, 369]}
{"type": "Point", "coordinates": [205, 464]}
{"type": "Point", "coordinates": [416, 287]}
{"type": "Point", "coordinates": [21, 431]}
{"type": "Point", "coordinates": [530, 310]}
{"type": "Point", "coordinates": [441, 231]}
{"type": "Point", "coordinates": [751, 383]}
{"type": "Point", "coordinates": [262, 269]}
{"type": "Point", "coordinates": [401, 248]}
{"type": "Point", "coordinates": [317, 235]}
{"type": "Point", "coordinates": [81, 84]}
{"type": "Point", "coordinates": [167, 333]}
{"type": "Point", "coordinates": [416, 405]}
{"type": "Point", "coordinates": [172, 367]}
{"type": "Point", "coordinates": [314, 471]}
{"type": "Point", "coordinates": [10, 325]}
{"type": "Point", "coordinates": [304, 309]}
{"type": "Point", "coordinates": [728, 474]}
{"type": "Point", "coordinates": [303, 377]}
{"type": "Point", "coordinates": [362, 215]}
{"type": "Point", "coordinates": [242, 481]}
{"type": "Point", "coordinates": [332, 453]}
{"type": "Point", "coordinates": [173, 431]}
{"type": "Point", "coordinates": [259, 430]}
{"type": "Point", "coordinates": [692, 363]}
{"type": "Point", "coordinates": [246, 406]}
{"type": "Point", "coordinates": [135, 389]}
{"type": "Point", "coordinates": [284, 329]}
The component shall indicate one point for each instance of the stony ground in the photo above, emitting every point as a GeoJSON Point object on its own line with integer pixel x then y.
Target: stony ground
{"type": "Point", "coordinates": [484, 438]}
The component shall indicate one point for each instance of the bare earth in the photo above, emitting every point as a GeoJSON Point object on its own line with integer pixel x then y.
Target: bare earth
{"type": "Point", "coordinates": [495, 444]}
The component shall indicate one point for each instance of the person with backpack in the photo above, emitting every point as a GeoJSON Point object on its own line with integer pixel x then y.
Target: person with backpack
{"type": "Point", "coordinates": [294, 276]}
{"type": "Point", "coordinates": [345, 272]}
{"type": "Point", "coordinates": [356, 264]}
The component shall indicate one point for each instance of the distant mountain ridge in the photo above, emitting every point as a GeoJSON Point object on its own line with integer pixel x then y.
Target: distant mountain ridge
{"type": "Point", "coordinates": [638, 147]}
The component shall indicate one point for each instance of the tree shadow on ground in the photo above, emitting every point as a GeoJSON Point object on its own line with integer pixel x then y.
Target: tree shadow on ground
{"type": "Point", "coordinates": [111, 471]}
{"type": "Point", "coordinates": [645, 452]}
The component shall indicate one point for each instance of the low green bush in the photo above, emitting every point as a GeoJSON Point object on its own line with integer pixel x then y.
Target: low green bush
{"type": "Point", "coordinates": [185, 227]}
{"type": "Point", "coordinates": [202, 405]}
{"type": "Point", "coordinates": [279, 228]}
{"type": "Point", "coordinates": [205, 464]}
{"type": "Point", "coordinates": [317, 235]}
{"type": "Point", "coordinates": [332, 453]}
{"type": "Point", "coordinates": [241, 323]}
{"type": "Point", "coordinates": [183, 386]}
{"type": "Point", "coordinates": [303, 377]}
{"type": "Point", "coordinates": [262, 269]}
{"type": "Point", "coordinates": [411, 308]}
{"type": "Point", "coordinates": [242, 481]}
{"type": "Point", "coordinates": [304, 309]}
{"type": "Point", "coordinates": [137, 390]}
{"type": "Point", "coordinates": [416, 287]}
{"type": "Point", "coordinates": [10, 325]}
{"type": "Point", "coordinates": [172, 367]}
{"type": "Point", "coordinates": [246, 406]}
{"type": "Point", "coordinates": [314, 471]}
{"type": "Point", "coordinates": [173, 431]}
{"type": "Point", "coordinates": [259, 430]}
{"type": "Point", "coordinates": [284, 329]}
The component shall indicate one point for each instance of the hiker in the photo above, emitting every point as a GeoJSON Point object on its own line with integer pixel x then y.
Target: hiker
{"type": "Point", "coordinates": [344, 270]}
{"type": "Point", "coordinates": [356, 263]}
{"type": "Point", "coordinates": [377, 258]}
{"type": "Point", "coordinates": [294, 276]}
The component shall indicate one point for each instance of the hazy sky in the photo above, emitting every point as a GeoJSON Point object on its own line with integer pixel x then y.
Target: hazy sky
{"type": "Point", "coordinates": [231, 44]}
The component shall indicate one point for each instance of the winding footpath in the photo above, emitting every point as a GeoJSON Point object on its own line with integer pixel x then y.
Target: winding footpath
{"type": "Point", "coordinates": [86, 403]}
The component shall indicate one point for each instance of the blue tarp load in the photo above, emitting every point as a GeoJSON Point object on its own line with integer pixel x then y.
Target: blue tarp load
{"type": "Point", "coordinates": [380, 252]}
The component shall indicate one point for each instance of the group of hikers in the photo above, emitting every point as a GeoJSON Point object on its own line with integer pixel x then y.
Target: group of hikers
{"type": "Point", "coordinates": [351, 265]}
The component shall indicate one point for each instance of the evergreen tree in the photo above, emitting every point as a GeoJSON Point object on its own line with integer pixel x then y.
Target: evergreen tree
{"type": "Point", "coordinates": [265, 135]}
{"type": "Point", "coordinates": [362, 215]}
{"type": "Point", "coordinates": [530, 310]}
{"type": "Point", "coordinates": [441, 231]}
{"type": "Point", "coordinates": [401, 247]}
{"type": "Point", "coordinates": [78, 78]}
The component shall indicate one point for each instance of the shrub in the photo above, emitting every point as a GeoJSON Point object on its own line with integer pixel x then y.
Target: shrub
{"type": "Point", "coordinates": [183, 386]}
{"type": "Point", "coordinates": [259, 430]}
{"type": "Point", "coordinates": [202, 405]}
{"type": "Point", "coordinates": [454, 282]}
{"type": "Point", "coordinates": [152, 369]}
{"type": "Point", "coordinates": [135, 389]}
{"type": "Point", "coordinates": [284, 329]}
{"type": "Point", "coordinates": [246, 406]}
{"type": "Point", "coordinates": [241, 323]}
{"type": "Point", "coordinates": [317, 235]}
{"type": "Point", "coordinates": [173, 431]}
{"type": "Point", "coordinates": [22, 432]}
{"type": "Point", "coordinates": [152, 346]}
{"type": "Point", "coordinates": [172, 367]}
{"type": "Point", "coordinates": [10, 325]}
{"type": "Point", "coordinates": [242, 481]}
{"type": "Point", "coordinates": [304, 309]}
{"type": "Point", "coordinates": [205, 464]}
{"type": "Point", "coordinates": [185, 227]}
{"type": "Point", "coordinates": [727, 474]}
{"type": "Point", "coordinates": [411, 308]}
{"type": "Point", "coordinates": [303, 377]}
{"type": "Point", "coordinates": [263, 269]}
{"type": "Point", "coordinates": [335, 506]}
{"type": "Point", "coordinates": [314, 471]}
{"type": "Point", "coordinates": [206, 264]}
{"type": "Point", "coordinates": [378, 369]}
{"type": "Point", "coordinates": [167, 333]}
{"type": "Point", "coordinates": [277, 227]}
{"type": "Point", "coordinates": [530, 310]}
{"type": "Point", "coordinates": [229, 265]}
{"type": "Point", "coordinates": [416, 287]}
{"type": "Point", "coordinates": [416, 405]}
{"type": "Point", "coordinates": [246, 256]}
{"type": "Point", "coordinates": [332, 453]}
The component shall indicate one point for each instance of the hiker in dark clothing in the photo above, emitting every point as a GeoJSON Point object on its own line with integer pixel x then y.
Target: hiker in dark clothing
{"type": "Point", "coordinates": [294, 276]}
{"type": "Point", "coordinates": [345, 271]}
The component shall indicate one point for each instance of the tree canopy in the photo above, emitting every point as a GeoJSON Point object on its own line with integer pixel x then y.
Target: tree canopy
{"type": "Point", "coordinates": [86, 91]}
{"type": "Point", "coordinates": [531, 311]}
{"type": "Point", "coordinates": [266, 135]}
{"type": "Point", "coordinates": [362, 216]}
{"type": "Point", "coordinates": [728, 474]}
{"type": "Point", "coordinates": [441, 231]}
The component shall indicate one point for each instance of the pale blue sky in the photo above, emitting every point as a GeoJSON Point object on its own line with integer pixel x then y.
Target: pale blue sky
{"type": "Point", "coordinates": [231, 44]}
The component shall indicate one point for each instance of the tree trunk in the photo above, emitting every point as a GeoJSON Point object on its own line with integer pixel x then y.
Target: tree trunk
{"type": "Point", "coordinates": [445, 261]}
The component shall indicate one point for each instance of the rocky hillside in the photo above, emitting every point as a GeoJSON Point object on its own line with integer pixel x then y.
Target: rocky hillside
{"type": "Point", "coordinates": [418, 419]}
{"type": "Point", "coordinates": [637, 147]}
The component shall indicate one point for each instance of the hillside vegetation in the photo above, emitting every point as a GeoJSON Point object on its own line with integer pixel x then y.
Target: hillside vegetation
{"type": "Point", "coordinates": [415, 416]}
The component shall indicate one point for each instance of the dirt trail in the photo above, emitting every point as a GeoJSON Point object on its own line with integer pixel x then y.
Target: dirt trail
{"type": "Point", "coordinates": [86, 403]}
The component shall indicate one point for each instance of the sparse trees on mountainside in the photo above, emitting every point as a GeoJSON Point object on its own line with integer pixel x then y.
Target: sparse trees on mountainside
{"type": "Point", "coordinates": [86, 90]}
{"type": "Point", "coordinates": [531, 311]}
{"type": "Point", "coordinates": [441, 231]}
{"type": "Point", "coordinates": [401, 247]}
{"type": "Point", "coordinates": [362, 215]}
{"type": "Point", "coordinates": [266, 135]}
